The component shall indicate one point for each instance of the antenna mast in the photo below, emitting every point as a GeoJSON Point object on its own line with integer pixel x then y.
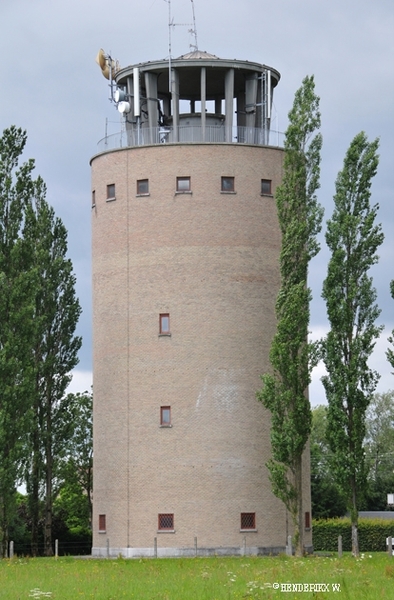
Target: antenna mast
{"type": "Point", "coordinates": [194, 30]}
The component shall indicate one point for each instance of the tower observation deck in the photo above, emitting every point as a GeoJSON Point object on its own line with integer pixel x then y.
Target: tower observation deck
{"type": "Point", "coordinates": [196, 98]}
{"type": "Point", "coordinates": [185, 261]}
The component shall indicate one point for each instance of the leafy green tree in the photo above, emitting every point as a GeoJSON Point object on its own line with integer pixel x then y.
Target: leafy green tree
{"type": "Point", "coordinates": [284, 390]}
{"type": "Point", "coordinates": [379, 450]}
{"type": "Point", "coordinates": [327, 498]}
{"type": "Point", "coordinates": [76, 472]}
{"type": "Point", "coordinates": [353, 238]}
{"type": "Point", "coordinates": [38, 348]}
{"type": "Point", "coordinates": [390, 352]}
{"type": "Point", "coordinates": [17, 188]}
{"type": "Point", "coordinates": [54, 351]}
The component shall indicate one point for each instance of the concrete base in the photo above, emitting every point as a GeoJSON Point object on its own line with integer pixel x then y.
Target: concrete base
{"type": "Point", "coordinates": [188, 552]}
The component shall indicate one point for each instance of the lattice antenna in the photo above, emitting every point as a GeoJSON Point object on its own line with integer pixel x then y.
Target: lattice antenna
{"type": "Point", "coordinates": [194, 30]}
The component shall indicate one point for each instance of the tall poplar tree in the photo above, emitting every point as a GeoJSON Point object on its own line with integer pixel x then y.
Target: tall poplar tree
{"type": "Point", "coordinates": [38, 346]}
{"type": "Point", "coordinates": [54, 354]}
{"type": "Point", "coordinates": [292, 358]}
{"type": "Point", "coordinates": [353, 238]}
{"type": "Point", "coordinates": [17, 188]}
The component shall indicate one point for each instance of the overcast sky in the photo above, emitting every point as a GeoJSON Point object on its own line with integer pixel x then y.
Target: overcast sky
{"type": "Point", "coordinates": [52, 87]}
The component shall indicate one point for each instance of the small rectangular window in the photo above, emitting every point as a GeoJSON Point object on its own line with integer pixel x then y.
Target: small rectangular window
{"type": "Point", "coordinates": [111, 191]}
{"type": "Point", "coordinates": [164, 324]}
{"type": "Point", "coordinates": [102, 523]}
{"type": "Point", "coordinates": [307, 520]}
{"type": "Point", "coordinates": [142, 187]}
{"type": "Point", "coordinates": [227, 184]}
{"type": "Point", "coordinates": [93, 198]}
{"type": "Point", "coordinates": [165, 416]}
{"type": "Point", "coordinates": [248, 520]}
{"type": "Point", "coordinates": [183, 184]}
{"type": "Point", "coordinates": [166, 522]}
{"type": "Point", "coordinates": [266, 187]}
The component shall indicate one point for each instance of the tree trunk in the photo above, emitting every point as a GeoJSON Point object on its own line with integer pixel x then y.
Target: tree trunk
{"type": "Point", "coordinates": [3, 528]}
{"type": "Point", "coordinates": [299, 535]}
{"type": "Point", "coordinates": [48, 520]}
{"type": "Point", "coordinates": [34, 509]}
{"type": "Point", "coordinates": [48, 484]}
{"type": "Point", "coordinates": [34, 501]}
{"type": "Point", "coordinates": [354, 520]}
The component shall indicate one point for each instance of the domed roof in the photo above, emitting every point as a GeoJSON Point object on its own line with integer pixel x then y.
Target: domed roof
{"type": "Point", "coordinates": [198, 54]}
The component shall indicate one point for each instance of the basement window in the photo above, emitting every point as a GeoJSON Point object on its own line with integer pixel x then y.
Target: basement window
{"type": "Point", "coordinates": [248, 521]}
{"type": "Point", "coordinates": [166, 522]}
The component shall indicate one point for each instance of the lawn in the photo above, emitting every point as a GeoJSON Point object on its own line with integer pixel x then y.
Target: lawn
{"type": "Point", "coordinates": [370, 577]}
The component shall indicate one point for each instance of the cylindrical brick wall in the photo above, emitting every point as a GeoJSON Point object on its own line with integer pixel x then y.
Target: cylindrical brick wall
{"type": "Point", "coordinates": [211, 261]}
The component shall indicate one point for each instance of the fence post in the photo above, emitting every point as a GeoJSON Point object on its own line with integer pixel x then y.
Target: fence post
{"type": "Point", "coordinates": [339, 546]}
{"type": "Point", "coordinates": [107, 547]}
{"type": "Point", "coordinates": [195, 546]}
{"type": "Point", "coordinates": [11, 549]}
{"type": "Point", "coordinates": [56, 548]}
{"type": "Point", "coordinates": [155, 547]}
{"type": "Point", "coordinates": [390, 545]}
{"type": "Point", "coordinates": [244, 548]}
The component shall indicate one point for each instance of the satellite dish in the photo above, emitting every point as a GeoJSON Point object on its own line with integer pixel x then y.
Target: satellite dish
{"type": "Point", "coordinates": [105, 62]}
{"type": "Point", "coordinates": [119, 95]}
{"type": "Point", "coordinates": [124, 107]}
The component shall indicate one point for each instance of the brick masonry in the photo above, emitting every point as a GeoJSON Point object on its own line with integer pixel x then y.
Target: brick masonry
{"type": "Point", "coordinates": [210, 260]}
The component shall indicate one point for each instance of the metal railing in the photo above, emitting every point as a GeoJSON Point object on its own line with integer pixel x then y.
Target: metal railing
{"type": "Point", "coordinates": [191, 134]}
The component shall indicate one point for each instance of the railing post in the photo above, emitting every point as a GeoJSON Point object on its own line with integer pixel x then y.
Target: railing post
{"type": "Point", "coordinates": [339, 546]}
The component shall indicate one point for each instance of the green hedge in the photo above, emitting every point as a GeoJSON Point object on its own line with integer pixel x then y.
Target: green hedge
{"type": "Point", "coordinates": [372, 534]}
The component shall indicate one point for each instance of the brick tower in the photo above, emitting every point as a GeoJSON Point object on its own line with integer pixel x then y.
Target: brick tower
{"type": "Point", "coordinates": [185, 276]}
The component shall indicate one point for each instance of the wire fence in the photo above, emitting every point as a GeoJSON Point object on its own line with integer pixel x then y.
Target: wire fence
{"type": "Point", "coordinates": [59, 548]}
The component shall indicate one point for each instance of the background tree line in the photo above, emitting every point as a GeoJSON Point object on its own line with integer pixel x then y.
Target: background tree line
{"type": "Point", "coordinates": [40, 426]}
{"type": "Point", "coordinates": [328, 499]}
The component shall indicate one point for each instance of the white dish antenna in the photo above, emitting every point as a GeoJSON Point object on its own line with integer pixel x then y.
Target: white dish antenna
{"type": "Point", "coordinates": [124, 107]}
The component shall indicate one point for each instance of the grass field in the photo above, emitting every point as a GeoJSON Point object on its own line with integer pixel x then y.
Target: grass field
{"type": "Point", "coordinates": [371, 577]}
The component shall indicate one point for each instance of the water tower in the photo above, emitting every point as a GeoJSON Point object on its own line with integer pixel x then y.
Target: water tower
{"type": "Point", "coordinates": [185, 276]}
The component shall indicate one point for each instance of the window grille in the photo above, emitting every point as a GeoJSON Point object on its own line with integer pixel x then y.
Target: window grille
{"type": "Point", "coordinates": [166, 521]}
{"type": "Point", "coordinates": [248, 520]}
